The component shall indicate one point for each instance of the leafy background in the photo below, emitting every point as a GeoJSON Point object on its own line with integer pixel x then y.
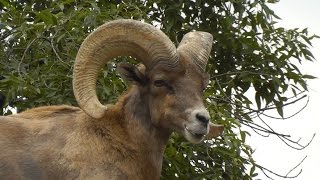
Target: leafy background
{"type": "Point", "coordinates": [40, 39]}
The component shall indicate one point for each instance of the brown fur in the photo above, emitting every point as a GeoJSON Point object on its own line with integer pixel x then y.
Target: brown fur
{"type": "Point", "coordinates": [63, 142]}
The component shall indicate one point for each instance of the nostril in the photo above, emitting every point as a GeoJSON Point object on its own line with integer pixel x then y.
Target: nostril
{"type": "Point", "coordinates": [202, 118]}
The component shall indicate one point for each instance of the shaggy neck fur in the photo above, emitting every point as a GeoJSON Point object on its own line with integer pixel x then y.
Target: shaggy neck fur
{"type": "Point", "coordinates": [139, 125]}
{"type": "Point", "coordinates": [141, 141]}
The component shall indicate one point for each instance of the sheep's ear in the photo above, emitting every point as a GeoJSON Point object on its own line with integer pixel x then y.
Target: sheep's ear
{"type": "Point", "coordinates": [131, 73]}
{"type": "Point", "coordinates": [215, 130]}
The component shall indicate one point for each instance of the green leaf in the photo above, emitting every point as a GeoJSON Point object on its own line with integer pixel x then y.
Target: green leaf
{"type": "Point", "coordinates": [243, 135]}
{"type": "Point", "coordinates": [258, 99]}
{"type": "Point", "coordinates": [47, 17]}
{"type": "Point", "coordinates": [306, 39]}
{"type": "Point", "coordinates": [279, 107]}
{"type": "Point", "coordinates": [252, 170]}
{"type": "Point", "coordinates": [307, 76]}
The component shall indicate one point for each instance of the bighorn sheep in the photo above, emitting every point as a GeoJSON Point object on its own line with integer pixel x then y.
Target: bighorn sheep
{"type": "Point", "coordinates": [121, 141]}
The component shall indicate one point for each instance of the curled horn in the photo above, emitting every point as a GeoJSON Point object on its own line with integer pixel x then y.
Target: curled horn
{"type": "Point", "coordinates": [117, 38]}
{"type": "Point", "coordinates": [196, 47]}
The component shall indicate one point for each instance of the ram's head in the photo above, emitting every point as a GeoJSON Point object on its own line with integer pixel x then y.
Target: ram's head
{"type": "Point", "coordinates": [171, 81]}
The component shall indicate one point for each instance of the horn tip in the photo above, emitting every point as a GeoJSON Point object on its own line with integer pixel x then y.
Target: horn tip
{"type": "Point", "coordinates": [96, 112]}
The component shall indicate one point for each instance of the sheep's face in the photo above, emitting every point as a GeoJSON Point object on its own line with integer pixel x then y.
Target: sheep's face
{"type": "Point", "coordinates": [176, 103]}
{"type": "Point", "coordinates": [175, 99]}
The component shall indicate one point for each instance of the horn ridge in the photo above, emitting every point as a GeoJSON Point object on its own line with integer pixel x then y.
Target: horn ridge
{"type": "Point", "coordinates": [124, 37]}
{"type": "Point", "coordinates": [196, 47]}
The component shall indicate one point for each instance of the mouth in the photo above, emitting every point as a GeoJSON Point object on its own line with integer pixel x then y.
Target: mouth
{"type": "Point", "coordinates": [195, 135]}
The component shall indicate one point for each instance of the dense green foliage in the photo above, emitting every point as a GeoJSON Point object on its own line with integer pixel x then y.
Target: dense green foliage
{"type": "Point", "coordinates": [39, 41]}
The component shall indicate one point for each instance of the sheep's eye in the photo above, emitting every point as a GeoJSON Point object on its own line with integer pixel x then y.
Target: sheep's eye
{"type": "Point", "coordinates": [160, 83]}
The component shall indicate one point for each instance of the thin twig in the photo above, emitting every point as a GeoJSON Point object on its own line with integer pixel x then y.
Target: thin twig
{"type": "Point", "coordinates": [24, 55]}
{"type": "Point", "coordinates": [54, 49]}
{"type": "Point", "coordinates": [274, 107]}
{"type": "Point", "coordinates": [296, 113]}
{"type": "Point", "coordinates": [238, 72]}
{"type": "Point", "coordinates": [296, 165]}
{"type": "Point", "coordinates": [285, 139]}
{"type": "Point", "coordinates": [263, 169]}
{"type": "Point", "coordinates": [56, 53]}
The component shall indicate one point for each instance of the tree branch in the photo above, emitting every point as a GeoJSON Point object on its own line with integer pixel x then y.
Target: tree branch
{"type": "Point", "coordinates": [264, 170]}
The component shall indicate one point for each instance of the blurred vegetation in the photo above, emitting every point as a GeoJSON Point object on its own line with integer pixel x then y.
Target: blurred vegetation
{"type": "Point", "coordinates": [40, 39]}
